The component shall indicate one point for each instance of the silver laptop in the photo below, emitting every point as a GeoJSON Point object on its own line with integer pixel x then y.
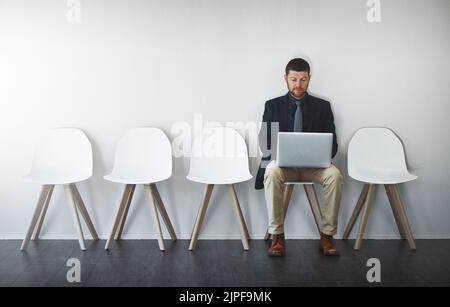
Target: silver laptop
{"type": "Point", "coordinates": [300, 149]}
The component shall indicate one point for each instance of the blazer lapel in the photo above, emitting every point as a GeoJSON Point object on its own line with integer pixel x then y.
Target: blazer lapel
{"type": "Point", "coordinates": [284, 113]}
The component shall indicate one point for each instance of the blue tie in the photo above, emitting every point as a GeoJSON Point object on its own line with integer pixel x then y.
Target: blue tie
{"type": "Point", "coordinates": [298, 125]}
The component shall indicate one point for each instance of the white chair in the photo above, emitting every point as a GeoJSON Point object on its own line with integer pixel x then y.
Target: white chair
{"type": "Point", "coordinates": [219, 157]}
{"type": "Point", "coordinates": [312, 200]}
{"type": "Point", "coordinates": [143, 156]}
{"type": "Point", "coordinates": [63, 156]}
{"type": "Point", "coordinates": [375, 157]}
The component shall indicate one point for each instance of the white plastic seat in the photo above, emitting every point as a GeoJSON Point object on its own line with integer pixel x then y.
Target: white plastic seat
{"type": "Point", "coordinates": [143, 156]}
{"type": "Point", "coordinates": [62, 156]}
{"type": "Point", "coordinates": [219, 156]}
{"type": "Point", "coordinates": [376, 156]}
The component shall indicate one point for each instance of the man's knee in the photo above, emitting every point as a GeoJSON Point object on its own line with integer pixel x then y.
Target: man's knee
{"type": "Point", "coordinates": [333, 174]}
{"type": "Point", "coordinates": [274, 173]}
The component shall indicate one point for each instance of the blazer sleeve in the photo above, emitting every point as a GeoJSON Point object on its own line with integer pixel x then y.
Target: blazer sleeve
{"type": "Point", "coordinates": [264, 136]}
{"type": "Point", "coordinates": [330, 128]}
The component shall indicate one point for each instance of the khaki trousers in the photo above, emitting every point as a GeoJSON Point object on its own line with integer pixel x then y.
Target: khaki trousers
{"type": "Point", "coordinates": [331, 180]}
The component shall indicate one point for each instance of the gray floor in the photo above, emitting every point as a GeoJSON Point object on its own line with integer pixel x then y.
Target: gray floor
{"type": "Point", "coordinates": [223, 263]}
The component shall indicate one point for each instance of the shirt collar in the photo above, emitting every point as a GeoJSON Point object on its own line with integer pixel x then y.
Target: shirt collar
{"type": "Point", "coordinates": [294, 100]}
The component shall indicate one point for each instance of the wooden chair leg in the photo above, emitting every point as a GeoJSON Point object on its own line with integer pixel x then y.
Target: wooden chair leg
{"type": "Point", "coordinates": [76, 218]}
{"type": "Point", "coordinates": [241, 216]}
{"type": "Point", "coordinates": [158, 201]}
{"type": "Point", "coordinates": [154, 211]}
{"type": "Point", "coordinates": [119, 214]}
{"type": "Point", "coordinates": [83, 211]}
{"type": "Point", "coordinates": [404, 218]}
{"type": "Point", "coordinates": [395, 211]}
{"type": "Point", "coordinates": [356, 211]}
{"type": "Point", "coordinates": [37, 230]}
{"type": "Point", "coordinates": [365, 215]}
{"type": "Point", "coordinates": [314, 204]}
{"type": "Point", "coordinates": [200, 217]}
{"type": "Point", "coordinates": [129, 197]}
{"type": "Point", "coordinates": [289, 188]}
{"type": "Point", "coordinates": [36, 214]}
{"type": "Point", "coordinates": [242, 225]}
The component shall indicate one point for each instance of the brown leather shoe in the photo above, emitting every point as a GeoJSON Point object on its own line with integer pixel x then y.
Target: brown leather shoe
{"type": "Point", "coordinates": [277, 249]}
{"type": "Point", "coordinates": [327, 246]}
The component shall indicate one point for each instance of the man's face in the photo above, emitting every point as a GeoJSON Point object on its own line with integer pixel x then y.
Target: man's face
{"type": "Point", "coordinates": [297, 82]}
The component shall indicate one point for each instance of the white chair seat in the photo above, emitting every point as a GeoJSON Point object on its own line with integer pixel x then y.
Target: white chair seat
{"type": "Point", "coordinates": [219, 180]}
{"type": "Point", "coordinates": [143, 156]}
{"type": "Point", "coordinates": [215, 165]}
{"type": "Point", "coordinates": [299, 182]}
{"type": "Point", "coordinates": [133, 179]}
{"type": "Point", "coordinates": [376, 155]}
{"type": "Point", "coordinates": [383, 178]}
{"type": "Point", "coordinates": [62, 156]}
{"type": "Point", "coordinates": [54, 178]}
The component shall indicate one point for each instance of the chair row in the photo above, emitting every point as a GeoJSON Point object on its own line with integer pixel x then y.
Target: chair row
{"type": "Point", "coordinates": [144, 156]}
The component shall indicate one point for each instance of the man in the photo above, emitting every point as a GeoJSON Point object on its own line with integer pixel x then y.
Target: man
{"type": "Point", "coordinates": [297, 111]}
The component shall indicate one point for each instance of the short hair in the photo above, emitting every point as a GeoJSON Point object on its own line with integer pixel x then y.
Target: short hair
{"type": "Point", "coordinates": [297, 64]}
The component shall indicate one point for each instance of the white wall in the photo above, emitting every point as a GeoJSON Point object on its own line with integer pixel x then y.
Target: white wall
{"type": "Point", "coordinates": [154, 63]}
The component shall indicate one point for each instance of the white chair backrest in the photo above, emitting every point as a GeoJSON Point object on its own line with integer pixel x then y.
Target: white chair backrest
{"type": "Point", "coordinates": [375, 150]}
{"type": "Point", "coordinates": [219, 156]}
{"type": "Point", "coordinates": [64, 153]}
{"type": "Point", "coordinates": [144, 153]}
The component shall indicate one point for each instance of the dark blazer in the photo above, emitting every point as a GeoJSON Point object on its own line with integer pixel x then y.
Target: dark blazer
{"type": "Point", "coordinates": [317, 117]}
